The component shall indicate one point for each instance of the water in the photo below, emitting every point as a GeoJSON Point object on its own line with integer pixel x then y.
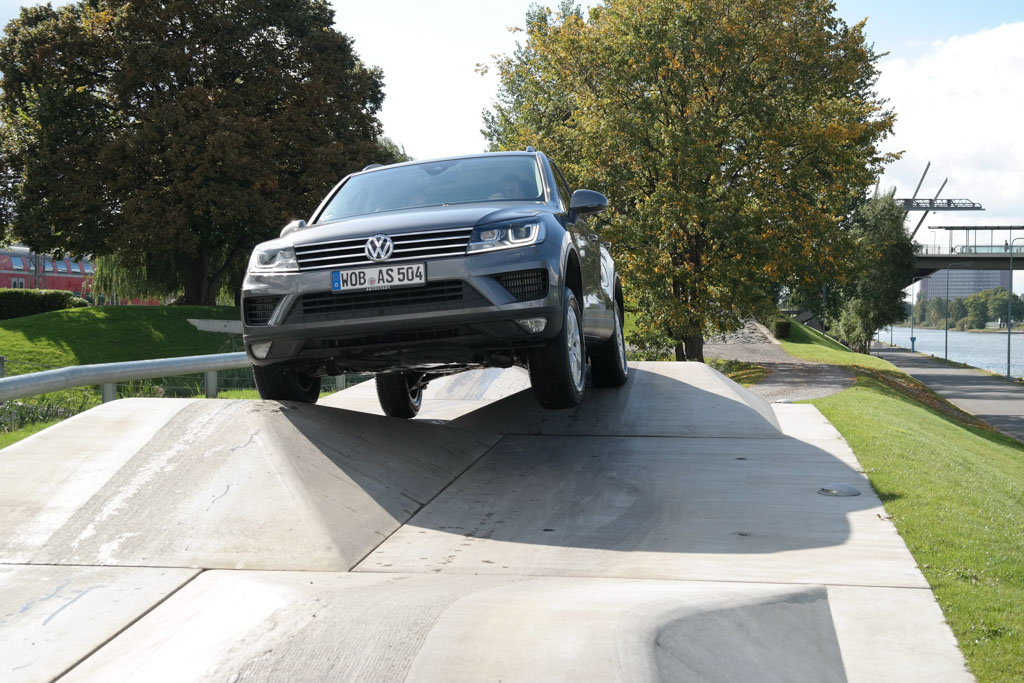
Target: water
{"type": "Point", "coordinates": [984, 350]}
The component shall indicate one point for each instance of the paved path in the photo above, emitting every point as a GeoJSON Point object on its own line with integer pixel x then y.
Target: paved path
{"type": "Point", "coordinates": [789, 378]}
{"type": "Point", "coordinates": [994, 400]}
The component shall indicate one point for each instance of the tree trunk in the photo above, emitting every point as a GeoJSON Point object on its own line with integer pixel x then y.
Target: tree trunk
{"type": "Point", "coordinates": [694, 347]}
{"type": "Point", "coordinates": [680, 352]}
{"type": "Point", "coordinates": [198, 291]}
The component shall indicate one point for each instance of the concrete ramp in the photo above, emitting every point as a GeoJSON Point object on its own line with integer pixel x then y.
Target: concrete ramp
{"type": "Point", "coordinates": [223, 484]}
{"type": "Point", "coordinates": [667, 530]}
{"type": "Point", "coordinates": [660, 399]}
{"type": "Point", "coordinates": [444, 399]}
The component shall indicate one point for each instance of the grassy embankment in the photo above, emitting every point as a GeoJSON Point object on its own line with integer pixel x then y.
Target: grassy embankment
{"type": "Point", "coordinates": [954, 488]}
{"type": "Point", "coordinates": [105, 335]}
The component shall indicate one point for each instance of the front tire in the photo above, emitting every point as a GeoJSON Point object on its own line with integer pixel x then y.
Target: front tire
{"type": "Point", "coordinates": [277, 384]}
{"type": "Point", "coordinates": [400, 394]}
{"type": "Point", "coordinates": [558, 370]}
{"type": "Point", "coordinates": [608, 364]}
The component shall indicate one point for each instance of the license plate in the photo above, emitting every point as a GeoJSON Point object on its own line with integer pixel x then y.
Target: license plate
{"type": "Point", "coordinates": [379, 277]}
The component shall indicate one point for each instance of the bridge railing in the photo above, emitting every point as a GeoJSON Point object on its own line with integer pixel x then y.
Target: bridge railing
{"type": "Point", "coordinates": [945, 250]}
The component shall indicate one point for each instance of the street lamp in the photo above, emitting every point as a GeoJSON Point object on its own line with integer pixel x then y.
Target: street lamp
{"type": "Point", "coordinates": [1009, 308]}
{"type": "Point", "coordinates": [912, 303]}
{"type": "Point", "coordinates": [965, 264]}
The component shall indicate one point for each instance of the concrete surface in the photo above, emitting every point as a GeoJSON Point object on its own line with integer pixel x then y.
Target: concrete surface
{"type": "Point", "coordinates": [210, 325]}
{"type": "Point", "coordinates": [222, 484]}
{"type": "Point", "coordinates": [993, 399]}
{"type": "Point", "coordinates": [685, 541]}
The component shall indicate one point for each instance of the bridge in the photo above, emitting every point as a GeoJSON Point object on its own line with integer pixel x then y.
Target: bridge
{"type": "Point", "coordinates": [972, 255]}
{"type": "Point", "coordinates": [671, 529]}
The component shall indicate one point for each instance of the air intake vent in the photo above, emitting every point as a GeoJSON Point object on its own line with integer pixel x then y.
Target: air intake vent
{"type": "Point", "coordinates": [525, 285]}
{"type": "Point", "coordinates": [445, 295]}
{"type": "Point", "coordinates": [258, 309]}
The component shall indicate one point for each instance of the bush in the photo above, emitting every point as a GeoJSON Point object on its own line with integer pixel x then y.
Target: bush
{"type": "Point", "coordinates": [17, 303]}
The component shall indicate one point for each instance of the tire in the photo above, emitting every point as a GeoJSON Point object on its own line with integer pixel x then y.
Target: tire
{"type": "Point", "coordinates": [396, 397]}
{"type": "Point", "coordinates": [277, 384]}
{"type": "Point", "coordinates": [558, 370]}
{"type": "Point", "coordinates": [608, 365]}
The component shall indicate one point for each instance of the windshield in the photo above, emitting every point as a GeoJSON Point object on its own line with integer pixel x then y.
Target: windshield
{"type": "Point", "coordinates": [452, 181]}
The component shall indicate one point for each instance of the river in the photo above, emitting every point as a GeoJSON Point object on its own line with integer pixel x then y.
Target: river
{"type": "Point", "coordinates": [981, 349]}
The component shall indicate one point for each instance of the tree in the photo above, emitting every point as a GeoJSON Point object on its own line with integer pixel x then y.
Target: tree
{"type": "Point", "coordinates": [172, 136]}
{"type": "Point", "coordinates": [732, 137]}
{"type": "Point", "coordinates": [883, 263]}
{"type": "Point", "coordinates": [957, 310]}
{"type": "Point", "coordinates": [977, 310]}
{"type": "Point", "coordinates": [936, 311]}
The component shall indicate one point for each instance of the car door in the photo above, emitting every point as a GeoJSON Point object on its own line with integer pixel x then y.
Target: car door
{"type": "Point", "coordinates": [597, 318]}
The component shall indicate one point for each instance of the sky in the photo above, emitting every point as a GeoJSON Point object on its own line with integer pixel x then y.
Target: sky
{"type": "Point", "coordinates": [954, 73]}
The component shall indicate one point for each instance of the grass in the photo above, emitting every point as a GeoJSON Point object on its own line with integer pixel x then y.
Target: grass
{"type": "Point", "coordinates": [953, 486]}
{"type": "Point", "coordinates": [108, 334]}
{"type": "Point", "coordinates": [746, 374]}
{"type": "Point", "coordinates": [7, 438]}
{"type": "Point", "coordinates": [809, 344]}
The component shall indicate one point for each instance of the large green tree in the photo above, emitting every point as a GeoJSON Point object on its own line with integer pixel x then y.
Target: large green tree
{"type": "Point", "coordinates": [882, 264]}
{"type": "Point", "coordinates": [732, 136]}
{"type": "Point", "coordinates": [171, 136]}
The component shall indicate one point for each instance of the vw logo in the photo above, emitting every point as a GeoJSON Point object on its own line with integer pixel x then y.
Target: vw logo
{"type": "Point", "coordinates": [379, 248]}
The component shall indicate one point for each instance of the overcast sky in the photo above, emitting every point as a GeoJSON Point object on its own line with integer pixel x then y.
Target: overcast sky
{"type": "Point", "coordinates": [954, 75]}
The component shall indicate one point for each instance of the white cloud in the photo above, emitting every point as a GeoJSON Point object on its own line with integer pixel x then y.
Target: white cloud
{"type": "Point", "coordinates": [961, 106]}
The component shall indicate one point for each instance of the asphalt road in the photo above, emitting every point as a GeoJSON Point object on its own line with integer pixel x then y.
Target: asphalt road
{"type": "Point", "coordinates": [992, 398]}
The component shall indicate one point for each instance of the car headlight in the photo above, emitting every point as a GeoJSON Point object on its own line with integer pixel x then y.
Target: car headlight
{"type": "Point", "coordinates": [506, 235]}
{"type": "Point", "coordinates": [271, 257]}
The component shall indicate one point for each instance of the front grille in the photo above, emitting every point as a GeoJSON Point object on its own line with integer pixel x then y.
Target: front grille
{"type": "Point", "coordinates": [258, 309]}
{"type": "Point", "coordinates": [445, 295]}
{"type": "Point", "coordinates": [525, 285]}
{"type": "Point", "coordinates": [410, 246]}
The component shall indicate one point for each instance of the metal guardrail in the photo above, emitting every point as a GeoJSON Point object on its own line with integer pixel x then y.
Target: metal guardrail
{"type": "Point", "coordinates": [108, 374]}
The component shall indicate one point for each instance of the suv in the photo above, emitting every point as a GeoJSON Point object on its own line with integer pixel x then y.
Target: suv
{"type": "Point", "coordinates": [422, 269]}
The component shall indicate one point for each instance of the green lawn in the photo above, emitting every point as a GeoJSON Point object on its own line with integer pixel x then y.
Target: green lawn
{"type": "Point", "coordinates": [954, 488]}
{"type": "Point", "coordinates": [108, 334]}
{"type": "Point", "coordinates": [809, 344]}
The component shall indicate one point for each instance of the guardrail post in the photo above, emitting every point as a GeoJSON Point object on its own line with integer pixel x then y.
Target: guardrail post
{"type": "Point", "coordinates": [108, 392]}
{"type": "Point", "coordinates": [211, 384]}
{"type": "Point", "coordinates": [3, 363]}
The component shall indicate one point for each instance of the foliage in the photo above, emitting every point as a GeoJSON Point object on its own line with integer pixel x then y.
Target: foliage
{"type": "Point", "coordinates": [16, 303]}
{"type": "Point", "coordinates": [732, 137]}
{"type": "Point", "coordinates": [172, 136]}
{"type": "Point", "coordinates": [781, 328]}
{"type": "Point", "coordinates": [957, 309]}
{"type": "Point", "coordinates": [884, 262]}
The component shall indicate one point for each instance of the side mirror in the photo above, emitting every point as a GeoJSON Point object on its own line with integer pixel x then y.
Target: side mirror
{"type": "Point", "coordinates": [293, 226]}
{"type": "Point", "coordinates": [588, 201]}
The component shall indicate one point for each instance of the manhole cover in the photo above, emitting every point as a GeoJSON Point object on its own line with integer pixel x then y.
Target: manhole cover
{"type": "Point", "coordinates": [838, 490]}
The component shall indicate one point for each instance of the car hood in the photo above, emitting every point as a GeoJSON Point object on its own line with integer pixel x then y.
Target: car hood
{"type": "Point", "coordinates": [428, 218]}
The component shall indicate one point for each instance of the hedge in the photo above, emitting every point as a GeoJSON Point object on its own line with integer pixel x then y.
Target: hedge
{"type": "Point", "coordinates": [16, 303]}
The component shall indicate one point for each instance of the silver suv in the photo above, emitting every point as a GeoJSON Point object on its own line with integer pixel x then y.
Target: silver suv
{"type": "Point", "coordinates": [427, 268]}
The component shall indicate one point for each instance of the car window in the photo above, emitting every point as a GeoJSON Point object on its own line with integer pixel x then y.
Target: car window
{"type": "Point", "coordinates": [451, 181]}
{"type": "Point", "coordinates": [563, 187]}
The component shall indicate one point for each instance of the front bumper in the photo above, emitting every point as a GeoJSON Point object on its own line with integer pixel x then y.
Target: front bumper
{"type": "Point", "coordinates": [465, 316]}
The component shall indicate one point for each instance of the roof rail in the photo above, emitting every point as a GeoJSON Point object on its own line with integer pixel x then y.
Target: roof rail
{"type": "Point", "coordinates": [372, 166]}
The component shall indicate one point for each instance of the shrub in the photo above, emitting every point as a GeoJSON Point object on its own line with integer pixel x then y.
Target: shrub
{"type": "Point", "coordinates": [16, 303]}
{"type": "Point", "coordinates": [780, 328]}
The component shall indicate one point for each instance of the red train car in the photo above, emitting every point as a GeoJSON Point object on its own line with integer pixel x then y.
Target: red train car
{"type": "Point", "coordinates": [24, 269]}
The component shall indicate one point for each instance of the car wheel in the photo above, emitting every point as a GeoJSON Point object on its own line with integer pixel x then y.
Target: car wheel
{"type": "Point", "coordinates": [397, 394]}
{"type": "Point", "coordinates": [608, 364]}
{"type": "Point", "coordinates": [558, 370]}
{"type": "Point", "coordinates": [277, 384]}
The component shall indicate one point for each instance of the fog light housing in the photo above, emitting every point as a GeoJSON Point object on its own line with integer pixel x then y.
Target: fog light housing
{"type": "Point", "coordinates": [261, 350]}
{"type": "Point", "coordinates": [533, 325]}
